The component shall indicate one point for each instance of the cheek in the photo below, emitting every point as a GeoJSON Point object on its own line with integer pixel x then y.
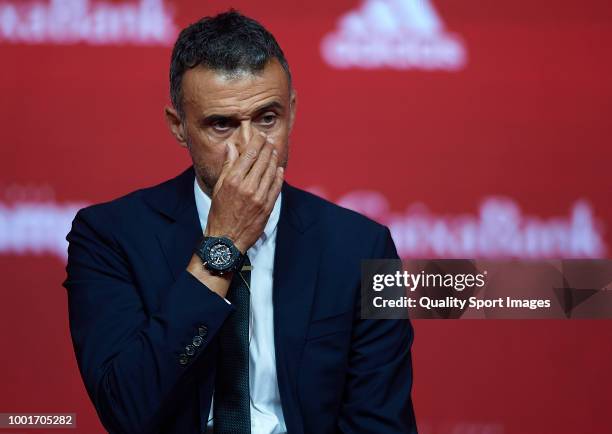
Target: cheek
{"type": "Point", "coordinates": [207, 149]}
{"type": "Point", "coordinates": [283, 151]}
{"type": "Point", "coordinates": [280, 147]}
{"type": "Point", "coordinates": [214, 142]}
{"type": "Point", "coordinates": [279, 137]}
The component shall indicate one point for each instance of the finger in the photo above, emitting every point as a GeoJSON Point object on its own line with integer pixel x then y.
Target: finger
{"type": "Point", "coordinates": [268, 177]}
{"type": "Point", "coordinates": [249, 156]}
{"type": "Point", "coordinates": [231, 155]}
{"type": "Point", "coordinates": [253, 178]}
{"type": "Point", "coordinates": [275, 188]}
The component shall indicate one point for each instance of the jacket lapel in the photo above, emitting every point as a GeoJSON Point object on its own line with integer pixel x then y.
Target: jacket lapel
{"type": "Point", "coordinates": [176, 201]}
{"type": "Point", "coordinates": [296, 263]}
{"type": "Point", "coordinates": [180, 240]}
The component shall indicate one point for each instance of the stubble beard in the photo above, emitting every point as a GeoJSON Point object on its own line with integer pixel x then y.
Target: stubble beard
{"type": "Point", "coordinates": [208, 176]}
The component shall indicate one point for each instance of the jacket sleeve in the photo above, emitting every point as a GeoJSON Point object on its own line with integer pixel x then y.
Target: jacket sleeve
{"type": "Point", "coordinates": [134, 363]}
{"type": "Point", "coordinates": [377, 395]}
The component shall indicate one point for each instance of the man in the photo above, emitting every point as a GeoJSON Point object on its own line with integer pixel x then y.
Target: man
{"type": "Point", "coordinates": [225, 300]}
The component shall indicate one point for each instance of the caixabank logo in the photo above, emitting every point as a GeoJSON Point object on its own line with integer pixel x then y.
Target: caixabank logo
{"type": "Point", "coordinates": [33, 222]}
{"type": "Point", "coordinates": [395, 34]}
{"type": "Point", "coordinates": [64, 22]}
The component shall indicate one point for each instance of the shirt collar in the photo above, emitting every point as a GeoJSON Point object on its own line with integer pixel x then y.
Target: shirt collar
{"type": "Point", "coordinates": [203, 203]}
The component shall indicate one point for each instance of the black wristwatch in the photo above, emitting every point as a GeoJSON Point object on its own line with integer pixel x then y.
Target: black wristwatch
{"type": "Point", "coordinates": [219, 255]}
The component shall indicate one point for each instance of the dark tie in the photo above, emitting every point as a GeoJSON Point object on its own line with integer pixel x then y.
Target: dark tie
{"type": "Point", "coordinates": [231, 412]}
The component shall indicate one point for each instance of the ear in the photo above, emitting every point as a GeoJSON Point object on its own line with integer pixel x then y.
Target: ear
{"type": "Point", "coordinates": [176, 125]}
{"type": "Point", "coordinates": [292, 108]}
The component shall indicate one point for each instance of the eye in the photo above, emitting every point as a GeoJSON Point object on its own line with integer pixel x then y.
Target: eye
{"type": "Point", "coordinates": [268, 119]}
{"type": "Point", "coordinates": [221, 126]}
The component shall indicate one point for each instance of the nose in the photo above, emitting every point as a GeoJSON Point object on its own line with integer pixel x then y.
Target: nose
{"type": "Point", "coordinates": [243, 135]}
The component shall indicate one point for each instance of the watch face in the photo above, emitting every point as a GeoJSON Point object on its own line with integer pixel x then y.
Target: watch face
{"type": "Point", "coordinates": [220, 255]}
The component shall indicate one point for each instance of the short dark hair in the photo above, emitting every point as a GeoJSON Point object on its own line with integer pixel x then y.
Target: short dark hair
{"type": "Point", "coordinates": [228, 42]}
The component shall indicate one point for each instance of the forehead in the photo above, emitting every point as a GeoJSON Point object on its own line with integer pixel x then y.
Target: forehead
{"type": "Point", "coordinates": [205, 90]}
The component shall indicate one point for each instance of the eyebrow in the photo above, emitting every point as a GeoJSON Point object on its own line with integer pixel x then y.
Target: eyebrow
{"type": "Point", "coordinates": [206, 120]}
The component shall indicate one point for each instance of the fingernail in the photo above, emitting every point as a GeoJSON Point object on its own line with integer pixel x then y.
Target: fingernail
{"type": "Point", "coordinates": [274, 152]}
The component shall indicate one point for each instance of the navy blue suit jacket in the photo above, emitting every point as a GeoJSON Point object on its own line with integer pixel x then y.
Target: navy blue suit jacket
{"type": "Point", "coordinates": [133, 307]}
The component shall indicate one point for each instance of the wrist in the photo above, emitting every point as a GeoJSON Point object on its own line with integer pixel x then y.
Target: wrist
{"type": "Point", "coordinates": [208, 232]}
{"type": "Point", "coordinates": [216, 283]}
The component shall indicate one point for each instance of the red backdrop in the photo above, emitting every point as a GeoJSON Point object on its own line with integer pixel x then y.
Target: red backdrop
{"type": "Point", "coordinates": [475, 129]}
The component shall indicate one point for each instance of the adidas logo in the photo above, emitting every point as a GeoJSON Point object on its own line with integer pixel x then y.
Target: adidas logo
{"type": "Point", "coordinates": [143, 22]}
{"type": "Point", "coordinates": [397, 34]}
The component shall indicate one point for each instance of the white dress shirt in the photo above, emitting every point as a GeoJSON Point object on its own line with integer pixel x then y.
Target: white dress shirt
{"type": "Point", "coordinates": [266, 411]}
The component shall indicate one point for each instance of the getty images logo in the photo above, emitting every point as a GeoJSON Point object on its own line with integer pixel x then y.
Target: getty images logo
{"type": "Point", "coordinates": [399, 34]}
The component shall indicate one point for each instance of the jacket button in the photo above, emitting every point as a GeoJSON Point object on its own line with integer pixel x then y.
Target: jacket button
{"type": "Point", "coordinates": [190, 350]}
{"type": "Point", "coordinates": [202, 330]}
{"type": "Point", "coordinates": [183, 359]}
{"type": "Point", "coordinates": [197, 341]}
